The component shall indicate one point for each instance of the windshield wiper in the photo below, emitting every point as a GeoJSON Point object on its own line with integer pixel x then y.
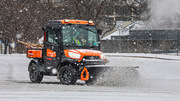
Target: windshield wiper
{"type": "Point", "coordinates": [82, 27]}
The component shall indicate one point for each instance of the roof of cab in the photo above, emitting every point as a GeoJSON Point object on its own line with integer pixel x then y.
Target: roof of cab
{"type": "Point", "coordinates": [67, 21]}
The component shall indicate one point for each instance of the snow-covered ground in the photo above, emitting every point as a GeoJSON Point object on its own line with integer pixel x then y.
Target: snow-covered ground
{"type": "Point", "coordinates": [158, 80]}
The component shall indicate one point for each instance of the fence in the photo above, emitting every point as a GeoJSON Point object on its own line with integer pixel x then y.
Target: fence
{"type": "Point", "coordinates": [140, 46]}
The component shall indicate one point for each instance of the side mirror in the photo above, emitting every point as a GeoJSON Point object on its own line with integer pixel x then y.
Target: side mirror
{"type": "Point", "coordinates": [99, 31]}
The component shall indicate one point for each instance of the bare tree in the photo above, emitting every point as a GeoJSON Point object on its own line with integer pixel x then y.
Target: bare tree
{"type": "Point", "coordinates": [25, 18]}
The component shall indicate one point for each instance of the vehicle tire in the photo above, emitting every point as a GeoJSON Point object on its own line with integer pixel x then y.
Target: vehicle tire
{"type": "Point", "coordinates": [68, 75]}
{"type": "Point", "coordinates": [34, 74]}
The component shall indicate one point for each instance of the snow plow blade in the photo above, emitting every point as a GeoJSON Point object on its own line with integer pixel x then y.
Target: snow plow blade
{"type": "Point", "coordinates": [109, 66]}
{"type": "Point", "coordinates": [98, 71]}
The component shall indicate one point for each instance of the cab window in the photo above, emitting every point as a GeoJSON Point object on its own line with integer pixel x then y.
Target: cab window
{"type": "Point", "coordinates": [52, 36]}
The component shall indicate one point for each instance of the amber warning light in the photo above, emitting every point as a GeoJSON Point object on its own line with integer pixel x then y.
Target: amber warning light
{"type": "Point", "coordinates": [90, 21]}
{"type": "Point", "coordinates": [66, 20]}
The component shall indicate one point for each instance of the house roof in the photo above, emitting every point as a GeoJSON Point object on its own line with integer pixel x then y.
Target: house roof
{"type": "Point", "coordinates": [124, 27]}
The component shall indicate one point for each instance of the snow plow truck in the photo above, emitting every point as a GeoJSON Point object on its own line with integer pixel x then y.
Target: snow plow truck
{"type": "Point", "coordinates": [70, 51]}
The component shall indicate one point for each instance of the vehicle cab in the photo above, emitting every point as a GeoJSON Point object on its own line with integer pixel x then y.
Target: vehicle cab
{"type": "Point", "coordinates": [71, 41]}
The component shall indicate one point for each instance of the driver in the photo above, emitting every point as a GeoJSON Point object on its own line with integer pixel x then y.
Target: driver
{"type": "Point", "coordinates": [80, 40]}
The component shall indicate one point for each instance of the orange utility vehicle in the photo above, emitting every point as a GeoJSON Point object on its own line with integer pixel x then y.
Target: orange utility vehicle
{"type": "Point", "coordinates": [71, 51]}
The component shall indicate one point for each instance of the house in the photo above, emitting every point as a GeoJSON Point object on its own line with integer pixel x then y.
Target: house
{"type": "Point", "coordinates": [136, 38]}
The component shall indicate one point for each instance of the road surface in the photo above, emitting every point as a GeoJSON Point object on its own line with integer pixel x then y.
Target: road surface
{"type": "Point", "coordinates": [158, 80]}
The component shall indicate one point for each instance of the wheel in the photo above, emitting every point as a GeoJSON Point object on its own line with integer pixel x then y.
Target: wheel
{"type": "Point", "coordinates": [68, 75]}
{"type": "Point", "coordinates": [34, 75]}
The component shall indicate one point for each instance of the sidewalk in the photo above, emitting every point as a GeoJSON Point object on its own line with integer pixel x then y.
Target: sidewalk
{"type": "Point", "coordinates": [143, 55]}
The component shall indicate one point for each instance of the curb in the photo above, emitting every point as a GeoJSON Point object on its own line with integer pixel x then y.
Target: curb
{"type": "Point", "coordinates": [143, 57]}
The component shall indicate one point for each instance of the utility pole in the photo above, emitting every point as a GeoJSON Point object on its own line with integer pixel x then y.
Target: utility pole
{"type": "Point", "coordinates": [114, 13]}
{"type": "Point", "coordinates": [120, 28]}
{"type": "Point", "coordinates": [132, 14]}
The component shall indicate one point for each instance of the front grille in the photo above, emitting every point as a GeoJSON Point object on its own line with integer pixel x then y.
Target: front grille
{"type": "Point", "coordinates": [95, 62]}
{"type": "Point", "coordinates": [91, 57]}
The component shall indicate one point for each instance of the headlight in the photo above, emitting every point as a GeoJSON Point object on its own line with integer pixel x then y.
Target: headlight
{"type": "Point", "coordinates": [102, 56]}
{"type": "Point", "coordinates": [74, 55]}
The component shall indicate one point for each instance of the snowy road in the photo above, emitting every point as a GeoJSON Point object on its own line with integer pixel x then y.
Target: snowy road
{"type": "Point", "coordinates": [159, 80]}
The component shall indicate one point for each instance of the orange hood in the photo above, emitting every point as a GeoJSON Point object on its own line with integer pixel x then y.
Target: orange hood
{"type": "Point", "coordinates": [83, 52]}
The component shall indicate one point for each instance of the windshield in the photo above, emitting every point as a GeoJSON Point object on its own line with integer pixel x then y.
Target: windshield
{"type": "Point", "coordinates": [79, 35]}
